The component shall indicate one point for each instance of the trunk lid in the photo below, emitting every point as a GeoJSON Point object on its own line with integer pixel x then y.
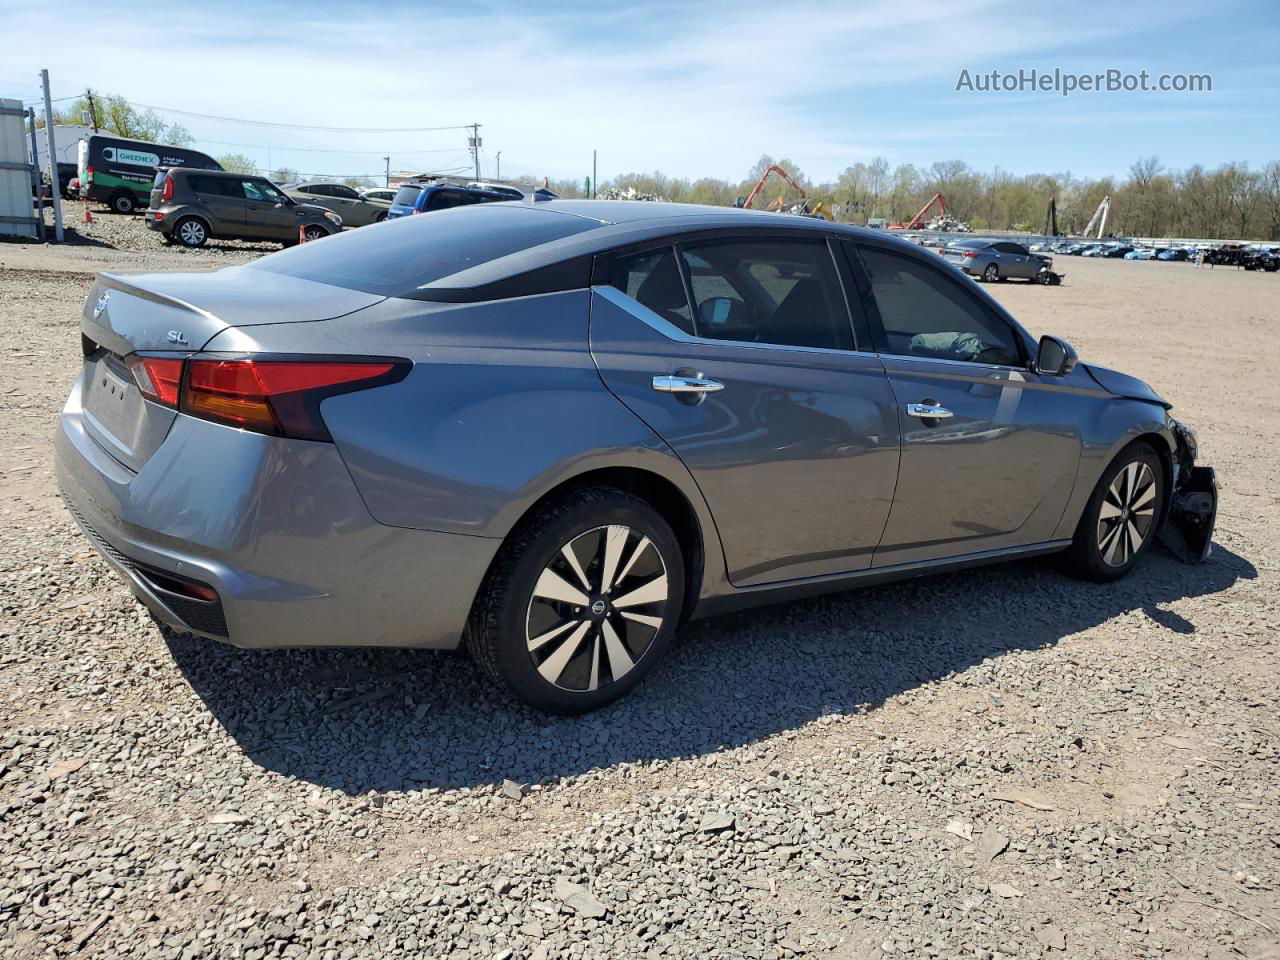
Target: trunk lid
{"type": "Point", "coordinates": [178, 313]}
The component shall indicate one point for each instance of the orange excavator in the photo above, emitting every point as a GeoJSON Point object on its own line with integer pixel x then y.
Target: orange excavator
{"type": "Point", "coordinates": [918, 220]}
{"type": "Point", "coordinates": [802, 208]}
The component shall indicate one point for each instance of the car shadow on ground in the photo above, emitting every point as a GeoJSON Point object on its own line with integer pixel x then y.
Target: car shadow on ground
{"type": "Point", "coordinates": [390, 720]}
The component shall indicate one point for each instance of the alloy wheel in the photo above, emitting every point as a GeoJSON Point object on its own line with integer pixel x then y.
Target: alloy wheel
{"type": "Point", "coordinates": [596, 608]}
{"type": "Point", "coordinates": [191, 233]}
{"type": "Point", "coordinates": [1127, 514]}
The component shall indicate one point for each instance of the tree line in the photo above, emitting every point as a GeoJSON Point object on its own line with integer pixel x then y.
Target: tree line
{"type": "Point", "coordinates": [1230, 201]}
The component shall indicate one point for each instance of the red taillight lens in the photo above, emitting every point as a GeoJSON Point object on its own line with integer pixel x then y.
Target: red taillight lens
{"type": "Point", "coordinates": [280, 397]}
{"type": "Point", "coordinates": [166, 193]}
{"type": "Point", "coordinates": [970, 256]}
{"type": "Point", "coordinates": [157, 377]}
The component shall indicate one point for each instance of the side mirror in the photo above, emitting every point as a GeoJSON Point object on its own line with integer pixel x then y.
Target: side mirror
{"type": "Point", "coordinates": [1055, 358]}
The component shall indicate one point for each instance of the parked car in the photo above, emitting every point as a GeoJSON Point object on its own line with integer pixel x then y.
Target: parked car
{"type": "Point", "coordinates": [427, 197]}
{"type": "Point", "coordinates": [354, 209]}
{"type": "Point", "coordinates": [996, 260]}
{"type": "Point", "coordinates": [381, 194]}
{"type": "Point", "coordinates": [1173, 253]}
{"type": "Point", "coordinates": [190, 206]}
{"type": "Point", "coordinates": [410, 436]}
{"type": "Point", "coordinates": [1116, 252]}
{"type": "Point", "coordinates": [1143, 253]}
{"type": "Point", "coordinates": [119, 172]}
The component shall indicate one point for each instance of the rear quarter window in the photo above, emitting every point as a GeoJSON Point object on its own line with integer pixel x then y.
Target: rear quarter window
{"type": "Point", "coordinates": [407, 253]}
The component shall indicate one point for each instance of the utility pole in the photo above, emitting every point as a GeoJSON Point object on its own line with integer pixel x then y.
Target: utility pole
{"type": "Point", "coordinates": [497, 167]}
{"type": "Point", "coordinates": [474, 143]}
{"type": "Point", "coordinates": [387, 160]}
{"type": "Point", "coordinates": [55, 188]}
{"type": "Point", "coordinates": [93, 108]}
{"type": "Point", "coordinates": [35, 170]}
{"type": "Point", "coordinates": [593, 175]}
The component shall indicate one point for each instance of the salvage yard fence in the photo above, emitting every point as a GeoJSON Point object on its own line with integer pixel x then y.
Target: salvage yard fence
{"type": "Point", "coordinates": [17, 218]}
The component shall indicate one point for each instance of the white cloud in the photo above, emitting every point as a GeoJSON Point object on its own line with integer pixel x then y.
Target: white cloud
{"type": "Point", "coordinates": [691, 89]}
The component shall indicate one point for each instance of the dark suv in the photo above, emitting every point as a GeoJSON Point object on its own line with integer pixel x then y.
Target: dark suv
{"type": "Point", "coordinates": [190, 206]}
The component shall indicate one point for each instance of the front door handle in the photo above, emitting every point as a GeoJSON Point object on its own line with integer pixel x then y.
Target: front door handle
{"type": "Point", "coordinates": [929, 411]}
{"type": "Point", "coordinates": [686, 384]}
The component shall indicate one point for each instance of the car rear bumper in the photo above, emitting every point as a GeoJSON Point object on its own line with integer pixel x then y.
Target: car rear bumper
{"type": "Point", "coordinates": [277, 528]}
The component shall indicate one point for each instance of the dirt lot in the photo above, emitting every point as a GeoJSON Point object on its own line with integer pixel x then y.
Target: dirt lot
{"type": "Point", "coordinates": [1000, 763]}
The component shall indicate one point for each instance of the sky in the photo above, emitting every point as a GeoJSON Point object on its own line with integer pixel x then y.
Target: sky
{"type": "Point", "coordinates": [691, 89]}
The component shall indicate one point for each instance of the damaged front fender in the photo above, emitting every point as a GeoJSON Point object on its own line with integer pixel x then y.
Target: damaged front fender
{"type": "Point", "coordinates": [1193, 508]}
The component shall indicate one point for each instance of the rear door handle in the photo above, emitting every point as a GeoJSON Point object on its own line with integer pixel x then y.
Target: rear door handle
{"type": "Point", "coordinates": [687, 384]}
{"type": "Point", "coordinates": [929, 411]}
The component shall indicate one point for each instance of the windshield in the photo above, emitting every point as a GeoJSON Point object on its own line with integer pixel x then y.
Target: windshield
{"type": "Point", "coordinates": [405, 254]}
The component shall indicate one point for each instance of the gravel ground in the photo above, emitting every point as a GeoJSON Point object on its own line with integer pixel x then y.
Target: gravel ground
{"type": "Point", "coordinates": [999, 763]}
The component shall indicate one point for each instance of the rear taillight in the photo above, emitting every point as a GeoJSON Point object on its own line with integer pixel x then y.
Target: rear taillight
{"type": "Point", "coordinates": [970, 256]}
{"type": "Point", "coordinates": [88, 176]}
{"type": "Point", "coordinates": [166, 192]}
{"type": "Point", "coordinates": [276, 396]}
{"type": "Point", "coordinates": [157, 377]}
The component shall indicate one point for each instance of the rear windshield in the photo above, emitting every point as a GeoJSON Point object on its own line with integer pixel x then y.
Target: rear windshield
{"type": "Point", "coordinates": [399, 256]}
{"type": "Point", "coordinates": [407, 195]}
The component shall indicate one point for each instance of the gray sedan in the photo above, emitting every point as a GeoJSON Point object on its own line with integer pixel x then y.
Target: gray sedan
{"type": "Point", "coordinates": [554, 432]}
{"type": "Point", "coordinates": [993, 260]}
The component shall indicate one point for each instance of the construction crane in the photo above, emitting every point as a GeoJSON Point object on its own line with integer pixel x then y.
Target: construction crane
{"type": "Point", "coordinates": [746, 204]}
{"type": "Point", "coordinates": [1104, 208]}
{"type": "Point", "coordinates": [918, 220]}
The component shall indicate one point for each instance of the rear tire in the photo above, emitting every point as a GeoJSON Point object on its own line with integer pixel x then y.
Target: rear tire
{"type": "Point", "coordinates": [1121, 518]}
{"type": "Point", "coordinates": [124, 202]}
{"type": "Point", "coordinates": [581, 602]}
{"type": "Point", "coordinates": [191, 232]}
{"type": "Point", "coordinates": [991, 274]}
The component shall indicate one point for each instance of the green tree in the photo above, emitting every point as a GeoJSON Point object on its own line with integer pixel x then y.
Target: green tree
{"type": "Point", "coordinates": [284, 175]}
{"type": "Point", "coordinates": [114, 114]}
{"type": "Point", "coordinates": [237, 163]}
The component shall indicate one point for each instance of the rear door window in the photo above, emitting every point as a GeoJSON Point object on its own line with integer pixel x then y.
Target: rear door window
{"type": "Point", "coordinates": [444, 199]}
{"type": "Point", "coordinates": [780, 292]}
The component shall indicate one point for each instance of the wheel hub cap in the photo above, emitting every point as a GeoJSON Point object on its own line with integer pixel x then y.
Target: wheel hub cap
{"type": "Point", "coordinates": [596, 608]}
{"type": "Point", "coordinates": [1127, 515]}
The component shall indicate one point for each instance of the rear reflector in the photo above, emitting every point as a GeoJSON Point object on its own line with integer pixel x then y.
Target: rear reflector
{"type": "Point", "coordinates": [278, 397]}
{"type": "Point", "coordinates": [157, 377]}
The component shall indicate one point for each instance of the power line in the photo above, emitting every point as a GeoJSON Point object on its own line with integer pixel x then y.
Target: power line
{"type": "Point", "coordinates": [298, 126]}
{"type": "Point", "coordinates": [379, 153]}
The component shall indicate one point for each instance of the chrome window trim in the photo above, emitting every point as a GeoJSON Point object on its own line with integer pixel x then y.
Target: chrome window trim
{"type": "Point", "coordinates": [674, 333]}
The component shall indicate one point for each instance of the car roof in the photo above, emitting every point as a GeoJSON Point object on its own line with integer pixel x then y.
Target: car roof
{"type": "Point", "coordinates": [211, 173]}
{"type": "Point", "coordinates": [624, 223]}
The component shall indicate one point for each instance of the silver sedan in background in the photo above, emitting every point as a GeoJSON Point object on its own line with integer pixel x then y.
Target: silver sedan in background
{"type": "Point", "coordinates": [993, 260]}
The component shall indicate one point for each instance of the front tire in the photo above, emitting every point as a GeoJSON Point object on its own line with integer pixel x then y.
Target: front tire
{"type": "Point", "coordinates": [1121, 519]}
{"type": "Point", "coordinates": [313, 232]}
{"type": "Point", "coordinates": [581, 603]}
